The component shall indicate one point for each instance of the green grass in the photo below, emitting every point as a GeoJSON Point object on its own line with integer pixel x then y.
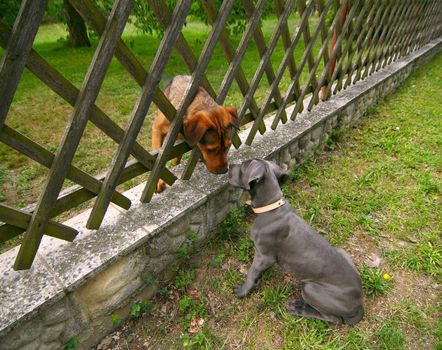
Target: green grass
{"type": "Point", "coordinates": [375, 281]}
{"type": "Point", "coordinates": [375, 190]}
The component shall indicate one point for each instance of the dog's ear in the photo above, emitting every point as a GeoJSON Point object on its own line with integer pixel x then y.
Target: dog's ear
{"type": "Point", "coordinates": [280, 174]}
{"type": "Point", "coordinates": [233, 113]}
{"type": "Point", "coordinates": [255, 172]}
{"type": "Point", "coordinates": [195, 126]}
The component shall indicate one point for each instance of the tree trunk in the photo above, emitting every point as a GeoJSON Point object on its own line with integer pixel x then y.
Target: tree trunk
{"type": "Point", "coordinates": [76, 26]}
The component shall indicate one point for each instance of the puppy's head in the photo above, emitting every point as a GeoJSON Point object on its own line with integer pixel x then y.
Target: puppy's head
{"type": "Point", "coordinates": [252, 172]}
{"type": "Point", "coordinates": [210, 131]}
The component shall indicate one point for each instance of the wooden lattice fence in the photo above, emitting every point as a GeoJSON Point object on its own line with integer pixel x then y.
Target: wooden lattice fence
{"type": "Point", "coordinates": [363, 37]}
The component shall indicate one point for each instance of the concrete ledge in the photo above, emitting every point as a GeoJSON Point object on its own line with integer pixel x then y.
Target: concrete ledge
{"type": "Point", "coordinates": [74, 288]}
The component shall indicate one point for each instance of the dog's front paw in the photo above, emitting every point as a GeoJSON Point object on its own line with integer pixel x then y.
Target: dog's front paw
{"type": "Point", "coordinates": [241, 290]}
{"type": "Point", "coordinates": [161, 186]}
{"type": "Point", "coordinates": [296, 307]}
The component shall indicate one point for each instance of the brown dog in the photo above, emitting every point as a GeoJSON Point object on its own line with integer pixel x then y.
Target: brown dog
{"type": "Point", "coordinates": [205, 124]}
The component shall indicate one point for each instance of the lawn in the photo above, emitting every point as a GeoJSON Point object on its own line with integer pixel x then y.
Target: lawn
{"type": "Point", "coordinates": [375, 191]}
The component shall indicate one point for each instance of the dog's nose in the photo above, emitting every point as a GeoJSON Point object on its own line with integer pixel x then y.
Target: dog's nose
{"type": "Point", "coordinates": [222, 171]}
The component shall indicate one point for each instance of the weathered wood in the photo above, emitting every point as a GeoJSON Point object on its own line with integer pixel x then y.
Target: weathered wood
{"type": "Point", "coordinates": [426, 22]}
{"type": "Point", "coordinates": [138, 115]}
{"type": "Point", "coordinates": [373, 28]}
{"type": "Point", "coordinates": [307, 37]}
{"type": "Point", "coordinates": [334, 54]}
{"type": "Point", "coordinates": [264, 63]}
{"type": "Point", "coordinates": [357, 28]}
{"type": "Point", "coordinates": [286, 38]}
{"type": "Point", "coordinates": [227, 47]}
{"type": "Point", "coordinates": [263, 50]}
{"type": "Point", "coordinates": [383, 40]}
{"type": "Point", "coordinates": [413, 23]}
{"type": "Point", "coordinates": [234, 65]}
{"type": "Point", "coordinates": [401, 29]}
{"type": "Point", "coordinates": [14, 58]}
{"type": "Point", "coordinates": [95, 18]}
{"type": "Point", "coordinates": [65, 89]}
{"type": "Point", "coordinates": [33, 150]}
{"type": "Point", "coordinates": [378, 36]}
{"type": "Point", "coordinates": [367, 28]}
{"type": "Point", "coordinates": [279, 74]}
{"type": "Point", "coordinates": [164, 16]}
{"type": "Point", "coordinates": [312, 82]}
{"type": "Point", "coordinates": [76, 195]}
{"type": "Point", "coordinates": [21, 219]}
{"type": "Point", "coordinates": [71, 138]}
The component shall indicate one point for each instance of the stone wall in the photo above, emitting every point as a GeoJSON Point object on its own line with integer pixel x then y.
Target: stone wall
{"type": "Point", "coordinates": [74, 290]}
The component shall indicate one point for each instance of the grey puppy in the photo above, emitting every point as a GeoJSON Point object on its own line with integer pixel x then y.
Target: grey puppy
{"type": "Point", "coordinates": [331, 285]}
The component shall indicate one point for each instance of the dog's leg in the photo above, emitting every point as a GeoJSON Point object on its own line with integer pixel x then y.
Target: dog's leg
{"type": "Point", "coordinates": [176, 160]}
{"type": "Point", "coordinates": [259, 265]}
{"type": "Point", "coordinates": [301, 308]}
{"type": "Point", "coordinates": [157, 142]}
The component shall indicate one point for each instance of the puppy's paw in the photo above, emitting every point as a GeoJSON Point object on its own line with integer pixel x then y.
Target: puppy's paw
{"type": "Point", "coordinates": [161, 186]}
{"type": "Point", "coordinates": [241, 291]}
{"type": "Point", "coordinates": [296, 307]}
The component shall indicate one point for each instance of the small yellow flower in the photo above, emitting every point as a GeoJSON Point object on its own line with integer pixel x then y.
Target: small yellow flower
{"type": "Point", "coordinates": [387, 276]}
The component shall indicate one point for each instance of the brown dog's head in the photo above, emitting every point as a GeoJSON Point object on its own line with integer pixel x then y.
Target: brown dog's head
{"type": "Point", "coordinates": [210, 131]}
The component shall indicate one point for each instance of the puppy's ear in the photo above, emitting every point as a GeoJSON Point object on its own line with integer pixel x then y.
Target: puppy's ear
{"type": "Point", "coordinates": [255, 172]}
{"type": "Point", "coordinates": [195, 126]}
{"type": "Point", "coordinates": [233, 113]}
{"type": "Point", "coordinates": [280, 174]}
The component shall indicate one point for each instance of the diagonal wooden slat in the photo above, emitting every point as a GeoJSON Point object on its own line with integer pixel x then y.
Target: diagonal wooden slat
{"type": "Point", "coordinates": [291, 64]}
{"type": "Point", "coordinates": [265, 60]}
{"type": "Point", "coordinates": [71, 138]}
{"type": "Point", "coordinates": [279, 6]}
{"type": "Point", "coordinates": [227, 47]}
{"type": "Point", "coordinates": [234, 65]}
{"type": "Point", "coordinates": [414, 21]}
{"type": "Point", "coordinates": [331, 65]}
{"type": "Point", "coordinates": [373, 29]}
{"type": "Point", "coordinates": [324, 47]}
{"type": "Point", "coordinates": [65, 89]}
{"type": "Point", "coordinates": [400, 32]}
{"type": "Point", "coordinates": [434, 29]}
{"type": "Point", "coordinates": [263, 50]}
{"type": "Point", "coordinates": [334, 54]}
{"type": "Point", "coordinates": [17, 51]}
{"type": "Point", "coordinates": [385, 38]}
{"type": "Point", "coordinates": [184, 49]}
{"type": "Point", "coordinates": [279, 74]}
{"type": "Point", "coordinates": [206, 54]}
{"type": "Point", "coordinates": [305, 58]}
{"type": "Point", "coordinates": [430, 24]}
{"type": "Point", "coordinates": [21, 219]}
{"type": "Point", "coordinates": [353, 31]}
{"type": "Point", "coordinates": [363, 36]}
{"type": "Point", "coordinates": [73, 197]}
{"type": "Point", "coordinates": [325, 55]}
{"type": "Point", "coordinates": [379, 35]}
{"type": "Point", "coordinates": [33, 150]}
{"type": "Point", "coordinates": [138, 115]}
{"type": "Point", "coordinates": [92, 14]}
{"type": "Point", "coordinates": [307, 36]}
